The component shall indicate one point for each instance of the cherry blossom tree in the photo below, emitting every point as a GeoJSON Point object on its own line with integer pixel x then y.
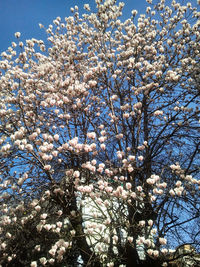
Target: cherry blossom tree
{"type": "Point", "coordinates": [99, 145]}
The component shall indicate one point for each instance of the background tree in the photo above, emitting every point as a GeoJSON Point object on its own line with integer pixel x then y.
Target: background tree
{"type": "Point", "coordinates": [99, 140]}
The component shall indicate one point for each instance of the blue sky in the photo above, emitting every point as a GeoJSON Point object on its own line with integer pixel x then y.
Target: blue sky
{"type": "Point", "coordinates": [25, 15]}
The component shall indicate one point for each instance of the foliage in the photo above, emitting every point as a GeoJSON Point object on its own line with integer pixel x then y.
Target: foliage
{"type": "Point", "coordinates": [99, 139]}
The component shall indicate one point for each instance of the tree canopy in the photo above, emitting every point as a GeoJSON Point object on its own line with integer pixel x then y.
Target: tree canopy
{"type": "Point", "coordinates": [99, 139]}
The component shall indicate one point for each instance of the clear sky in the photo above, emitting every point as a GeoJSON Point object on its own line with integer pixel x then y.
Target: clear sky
{"type": "Point", "coordinates": [25, 15]}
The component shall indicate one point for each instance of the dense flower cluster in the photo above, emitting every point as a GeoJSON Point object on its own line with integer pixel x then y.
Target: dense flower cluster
{"type": "Point", "coordinates": [98, 139]}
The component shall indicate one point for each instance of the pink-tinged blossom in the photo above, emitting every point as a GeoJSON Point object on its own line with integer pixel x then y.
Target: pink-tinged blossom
{"type": "Point", "coordinates": [145, 143]}
{"type": "Point", "coordinates": [43, 216]}
{"type": "Point", "coordinates": [142, 223]}
{"type": "Point", "coordinates": [131, 157]}
{"type": "Point", "coordinates": [37, 208]}
{"type": "Point", "coordinates": [73, 232]}
{"type": "Point", "coordinates": [101, 165]}
{"type": "Point", "coordinates": [47, 227]}
{"type": "Point", "coordinates": [20, 181]}
{"type": "Point", "coordinates": [130, 169]}
{"type": "Point", "coordinates": [39, 227]}
{"type": "Point", "coordinates": [142, 147]}
{"type": "Point", "coordinates": [178, 191]}
{"type": "Point", "coordinates": [59, 224]}
{"type": "Point", "coordinates": [91, 135]}
{"type": "Point", "coordinates": [133, 195]}
{"type": "Point", "coordinates": [100, 169]}
{"type": "Point", "coordinates": [158, 112]}
{"type": "Point", "coordinates": [45, 157]}
{"type": "Point", "coordinates": [119, 136]}
{"type": "Point", "coordinates": [134, 12]}
{"type": "Point", "coordinates": [140, 240]}
{"type": "Point", "coordinates": [138, 105]}
{"type": "Point", "coordinates": [94, 162]}
{"type": "Point", "coordinates": [8, 235]}
{"type": "Point", "coordinates": [172, 193]}
{"type": "Point", "coordinates": [115, 238]}
{"type": "Point", "coordinates": [43, 260]}
{"type": "Point", "coordinates": [103, 132]}
{"type": "Point", "coordinates": [148, 242]}
{"type": "Point", "coordinates": [93, 146]}
{"type": "Point", "coordinates": [73, 142]}
{"type": "Point", "coordinates": [3, 245]}
{"type": "Point", "coordinates": [33, 136]}
{"type": "Point", "coordinates": [150, 252]}
{"type": "Point", "coordinates": [37, 247]}
{"type": "Point", "coordinates": [153, 198]}
{"type": "Point", "coordinates": [34, 264]}
{"type": "Point", "coordinates": [54, 153]}
{"type": "Point", "coordinates": [178, 183]}
{"type": "Point", "coordinates": [103, 146]}
{"type": "Point", "coordinates": [101, 139]}
{"type": "Point", "coordinates": [107, 221]}
{"type": "Point", "coordinates": [162, 241]}
{"type": "Point", "coordinates": [140, 158]}
{"type": "Point", "coordinates": [156, 253]}
{"type": "Point", "coordinates": [164, 250]}
{"type": "Point", "coordinates": [126, 115]}
{"type": "Point", "coordinates": [151, 181]}
{"type": "Point", "coordinates": [47, 167]}
{"type": "Point", "coordinates": [110, 264]}
{"type": "Point", "coordinates": [139, 188]}
{"type": "Point", "coordinates": [114, 97]}
{"type": "Point", "coordinates": [119, 154]}
{"type": "Point", "coordinates": [108, 189]}
{"type": "Point", "coordinates": [52, 251]}
{"type": "Point", "coordinates": [56, 137]}
{"type": "Point", "coordinates": [17, 34]}
{"type": "Point", "coordinates": [47, 193]}
{"type": "Point", "coordinates": [76, 174]}
{"type": "Point", "coordinates": [128, 186]}
{"type": "Point", "coordinates": [150, 222]}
